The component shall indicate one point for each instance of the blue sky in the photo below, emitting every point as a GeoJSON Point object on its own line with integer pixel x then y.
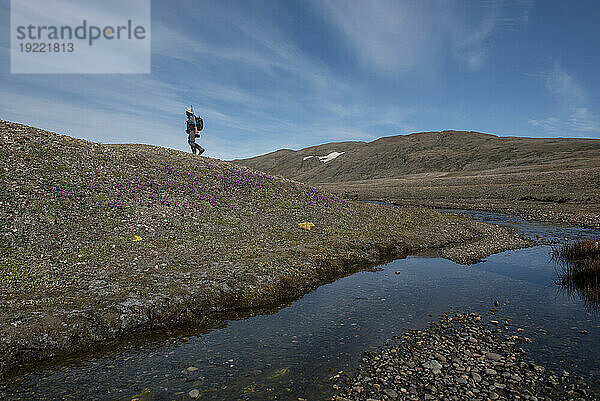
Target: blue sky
{"type": "Point", "coordinates": [278, 74]}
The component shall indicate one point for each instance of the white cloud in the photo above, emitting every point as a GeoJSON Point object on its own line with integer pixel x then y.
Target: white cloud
{"type": "Point", "coordinates": [574, 116]}
{"type": "Point", "coordinates": [82, 121]}
{"type": "Point", "coordinates": [391, 36]}
{"type": "Point", "coordinates": [564, 86]}
{"type": "Point", "coordinates": [120, 56]}
{"type": "Point", "coordinates": [580, 121]}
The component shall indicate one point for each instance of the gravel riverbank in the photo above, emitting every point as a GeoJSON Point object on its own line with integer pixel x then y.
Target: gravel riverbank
{"type": "Point", "coordinates": [459, 357]}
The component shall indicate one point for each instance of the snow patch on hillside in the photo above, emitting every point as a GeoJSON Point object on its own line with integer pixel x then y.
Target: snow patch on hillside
{"type": "Point", "coordinates": [327, 158]}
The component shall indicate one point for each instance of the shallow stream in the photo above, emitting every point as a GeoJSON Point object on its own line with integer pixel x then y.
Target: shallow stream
{"type": "Point", "coordinates": [293, 352]}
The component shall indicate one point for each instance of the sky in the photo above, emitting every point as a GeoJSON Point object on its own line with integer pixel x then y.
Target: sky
{"type": "Point", "coordinates": [266, 75]}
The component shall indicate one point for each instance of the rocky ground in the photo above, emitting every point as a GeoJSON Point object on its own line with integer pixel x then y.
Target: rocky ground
{"type": "Point", "coordinates": [101, 241]}
{"type": "Point", "coordinates": [496, 239]}
{"type": "Point", "coordinates": [460, 357]}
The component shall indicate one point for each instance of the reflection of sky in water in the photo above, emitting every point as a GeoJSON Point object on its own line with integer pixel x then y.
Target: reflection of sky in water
{"type": "Point", "coordinates": [293, 352]}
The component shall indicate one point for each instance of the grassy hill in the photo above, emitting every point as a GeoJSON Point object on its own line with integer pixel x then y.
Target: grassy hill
{"type": "Point", "coordinates": [550, 178]}
{"type": "Point", "coordinates": [100, 241]}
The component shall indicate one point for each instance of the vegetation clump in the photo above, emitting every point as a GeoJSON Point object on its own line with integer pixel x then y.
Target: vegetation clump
{"type": "Point", "coordinates": [578, 251]}
{"type": "Point", "coordinates": [580, 269]}
{"type": "Point", "coordinates": [11, 271]}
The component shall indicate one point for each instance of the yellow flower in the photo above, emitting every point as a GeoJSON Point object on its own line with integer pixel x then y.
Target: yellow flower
{"type": "Point", "coordinates": [136, 238]}
{"type": "Point", "coordinates": [307, 225]}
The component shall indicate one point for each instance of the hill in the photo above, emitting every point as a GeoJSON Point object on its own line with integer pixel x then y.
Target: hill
{"type": "Point", "coordinates": [551, 179]}
{"type": "Point", "coordinates": [101, 241]}
{"type": "Point", "coordinates": [426, 152]}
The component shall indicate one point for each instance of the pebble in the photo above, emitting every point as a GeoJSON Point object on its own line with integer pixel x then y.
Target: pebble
{"type": "Point", "coordinates": [433, 365]}
{"type": "Point", "coordinates": [490, 368]}
{"type": "Point", "coordinates": [493, 356]}
{"type": "Point", "coordinates": [194, 393]}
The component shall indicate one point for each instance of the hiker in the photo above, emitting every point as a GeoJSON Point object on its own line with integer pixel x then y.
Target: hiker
{"type": "Point", "coordinates": [194, 125]}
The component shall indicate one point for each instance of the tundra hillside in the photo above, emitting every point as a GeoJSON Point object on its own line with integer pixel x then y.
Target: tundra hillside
{"type": "Point", "coordinates": [547, 179]}
{"type": "Point", "coordinates": [100, 241]}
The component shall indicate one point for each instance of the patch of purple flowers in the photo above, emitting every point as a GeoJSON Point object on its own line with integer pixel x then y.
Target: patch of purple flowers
{"type": "Point", "coordinates": [157, 189]}
{"type": "Point", "coordinates": [61, 192]}
{"type": "Point", "coordinates": [173, 187]}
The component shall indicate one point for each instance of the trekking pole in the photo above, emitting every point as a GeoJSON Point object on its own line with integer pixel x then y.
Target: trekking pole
{"type": "Point", "coordinates": [195, 124]}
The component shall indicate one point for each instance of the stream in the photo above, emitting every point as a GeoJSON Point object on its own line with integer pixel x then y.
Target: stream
{"type": "Point", "coordinates": [292, 351]}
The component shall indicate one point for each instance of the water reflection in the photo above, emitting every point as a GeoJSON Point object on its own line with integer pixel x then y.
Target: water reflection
{"type": "Point", "coordinates": [587, 290]}
{"type": "Point", "coordinates": [294, 352]}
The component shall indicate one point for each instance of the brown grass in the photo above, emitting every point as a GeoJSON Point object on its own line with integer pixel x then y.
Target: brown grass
{"type": "Point", "coordinates": [582, 250]}
{"type": "Point", "coordinates": [580, 270]}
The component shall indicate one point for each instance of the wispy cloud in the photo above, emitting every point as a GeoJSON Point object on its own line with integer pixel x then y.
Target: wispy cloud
{"type": "Point", "coordinates": [574, 116]}
{"type": "Point", "coordinates": [564, 86]}
{"type": "Point", "coordinates": [65, 113]}
{"type": "Point", "coordinates": [393, 37]}
{"type": "Point", "coordinates": [320, 104]}
{"type": "Point", "coordinates": [580, 121]}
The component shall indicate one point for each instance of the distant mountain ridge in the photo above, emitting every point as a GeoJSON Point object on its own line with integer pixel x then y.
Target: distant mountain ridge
{"type": "Point", "coordinates": [424, 152]}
